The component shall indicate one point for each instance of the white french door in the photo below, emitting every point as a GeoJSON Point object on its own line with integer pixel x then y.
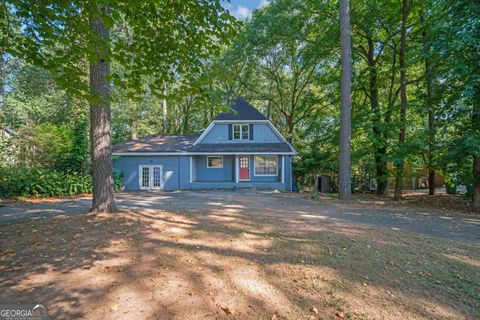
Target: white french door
{"type": "Point", "coordinates": [150, 177]}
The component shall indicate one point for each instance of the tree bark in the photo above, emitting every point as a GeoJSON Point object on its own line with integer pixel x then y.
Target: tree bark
{"type": "Point", "coordinates": [476, 183]}
{"type": "Point", "coordinates": [344, 190]}
{"type": "Point", "coordinates": [103, 199]}
{"type": "Point", "coordinates": [430, 104]}
{"type": "Point", "coordinates": [134, 128]}
{"type": "Point", "coordinates": [290, 128]}
{"type": "Point", "coordinates": [3, 74]}
{"type": "Point", "coordinates": [2, 87]}
{"type": "Point", "coordinates": [379, 144]}
{"type": "Point", "coordinates": [165, 110]}
{"type": "Point", "coordinates": [476, 157]}
{"type": "Point", "coordinates": [404, 101]}
{"type": "Point", "coordinates": [186, 115]}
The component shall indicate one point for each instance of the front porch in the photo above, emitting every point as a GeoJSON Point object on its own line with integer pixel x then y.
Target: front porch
{"type": "Point", "coordinates": [238, 185]}
{"type": "Point", "coordinates": [238, 171]}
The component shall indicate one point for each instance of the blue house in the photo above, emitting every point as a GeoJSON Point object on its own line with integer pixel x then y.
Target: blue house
{"type": "Point", "coordinates": [239, 149]}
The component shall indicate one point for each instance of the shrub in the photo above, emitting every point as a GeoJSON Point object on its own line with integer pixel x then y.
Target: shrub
{"type": "Point", "coordinates": [57, 147]}
{"type": "Point", "coordinates": [15, 182]}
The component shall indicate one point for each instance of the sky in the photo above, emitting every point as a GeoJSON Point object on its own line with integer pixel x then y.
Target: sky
{"type": "Point", "coordinates": [242, 9]}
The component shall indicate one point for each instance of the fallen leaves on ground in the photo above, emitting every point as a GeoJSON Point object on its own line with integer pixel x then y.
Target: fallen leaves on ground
{"type": "Point", "coordinates": [227, 310]}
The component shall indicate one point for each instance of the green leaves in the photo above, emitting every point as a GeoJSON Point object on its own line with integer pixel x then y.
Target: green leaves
{"type": "Point", "coordinates": [22, 182]}
{"type": "Point", "coordinates": [157, 39]}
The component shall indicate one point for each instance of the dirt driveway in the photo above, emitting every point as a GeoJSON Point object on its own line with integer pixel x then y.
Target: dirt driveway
{"type": "Point", "coordinates": [292, 206]}
{"type": "Point", "coordinates": [246, 255]}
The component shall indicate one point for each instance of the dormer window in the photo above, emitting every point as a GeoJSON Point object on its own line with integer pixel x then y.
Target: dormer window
{"type": "Point", "coordinates": [241, 132]}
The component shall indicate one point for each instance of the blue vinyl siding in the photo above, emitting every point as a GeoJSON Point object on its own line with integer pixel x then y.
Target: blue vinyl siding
{"type": "Point", "coordinates": [184, 174]}
{"type": "Point", "coordinates": [262, 133]}
{"type": "Point", "coordinates": [173, 167]}
{"type": "Point", "coordinates": [288, 173]}
{"type": "Point", "coordinates": [242, 185]}
{"type": "Point", "coordinates": [214, 174]}
{"type": "Point", "coordinates": [176, 173]}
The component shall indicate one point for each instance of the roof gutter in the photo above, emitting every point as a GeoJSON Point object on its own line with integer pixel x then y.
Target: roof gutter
{"type": "Point", "coordinates": [196, 153]}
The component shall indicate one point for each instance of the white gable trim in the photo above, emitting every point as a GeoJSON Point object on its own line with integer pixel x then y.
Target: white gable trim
{"type": "Point", "coordinates": [268, 122]}
{"type": "Point", "coordinates": [205, 132]}
{"type": "Point", "coordinates": [210, 127]}
{"type": "Point", "coordinates": [281, 136]}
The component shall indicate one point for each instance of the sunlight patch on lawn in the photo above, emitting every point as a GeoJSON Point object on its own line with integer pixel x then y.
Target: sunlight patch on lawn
{"type": "Point", "coordinates": [256, 286]}
{"type": "Point", "coordinates": [464, 259]}
{"type": "Point", "coordinates": [313, 216]}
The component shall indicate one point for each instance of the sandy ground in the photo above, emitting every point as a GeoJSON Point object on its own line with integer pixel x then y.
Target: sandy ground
{"type": "Point", "coordinates": [224, 255]}
{"type": "Point", "coordinates": [365, 211]}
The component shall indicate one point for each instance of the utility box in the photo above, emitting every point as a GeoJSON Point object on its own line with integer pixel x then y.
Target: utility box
{"type": "Point", "coordinates": [322, 184]}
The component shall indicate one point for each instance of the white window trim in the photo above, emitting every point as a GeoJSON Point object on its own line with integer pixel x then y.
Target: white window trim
{"type": "Point", "coordinates": [255, 164]}
{"type": "Point", "coordinates": [268, 122]}
{"type": "Point", "coordinates": [249, 166]}
{"type": "Point", "coordinates": [191, 169]}
{"type": "Point", "coordinates": [241, 131]}
{"type": "Point", "coordinates": [150, 182]}
{"type": "Point", "coordinates": [214, 157]}
{"type": "Point", "coordinates": [140, 177]}
{"type": "Point", "coordinates": [237, 172]}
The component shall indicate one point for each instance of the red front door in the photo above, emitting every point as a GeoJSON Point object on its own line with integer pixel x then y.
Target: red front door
{"type": "Point", "coordinates": [244, 167]}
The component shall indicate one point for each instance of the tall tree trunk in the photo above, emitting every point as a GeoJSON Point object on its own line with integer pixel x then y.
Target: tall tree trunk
{"type": "Point", "coordinates": [290, 127]}
{"type": "Point", "coordinates": [2, 88]}
{"type": "Point", "coordinates": [2, 84]}
{"type": "Point", "coordinates": [476, 157]}
{"type": "Point", "coordinates": [269, 107]}
{"type": "Point", "coordinates": [103, 199]}
{"type": "Point", "coordinates": [344, 191]}
{"type": "Point", "coordinates": [186, 115]}
{"type": "Point", "coordinates": [379, 145]}
{"type": "Point", "coordinates": [165, 110]}
{"type": "Point", "coordinates": [403, 98]}
{"type": "Point", "coordinates": [430, 104]}
{"type": "Point", "coordinates": [3, 74]}
{"type": "Point", "coordinates": [134, 127]}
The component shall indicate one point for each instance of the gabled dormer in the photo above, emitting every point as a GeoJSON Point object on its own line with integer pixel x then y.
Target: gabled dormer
{"type": "Point", "coordinates": [242, 124]}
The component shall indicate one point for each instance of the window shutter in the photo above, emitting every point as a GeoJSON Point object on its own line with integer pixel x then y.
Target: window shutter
{"type": "Point", "coordinates": [251, 131]}
{"type": "Point", "coordinates": [230, 131]}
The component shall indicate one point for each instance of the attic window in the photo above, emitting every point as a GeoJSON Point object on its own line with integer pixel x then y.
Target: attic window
{"type": "Point", "coordinates": [241, 132]}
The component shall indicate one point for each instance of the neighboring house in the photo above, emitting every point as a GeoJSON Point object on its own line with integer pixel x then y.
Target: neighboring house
{"type": "Point", "coordinates": [239, 149]}
{"type": "Point", "coordinates": [415, 177]}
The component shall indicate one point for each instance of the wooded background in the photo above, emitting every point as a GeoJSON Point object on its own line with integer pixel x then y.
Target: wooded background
{"type": "Point", "coordinates": [415, 89]}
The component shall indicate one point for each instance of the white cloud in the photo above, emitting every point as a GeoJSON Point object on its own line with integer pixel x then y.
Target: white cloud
{"type": "Point", "coordinates": [242, 13]}
{"type": "Point", "coordinates": [263, 3]}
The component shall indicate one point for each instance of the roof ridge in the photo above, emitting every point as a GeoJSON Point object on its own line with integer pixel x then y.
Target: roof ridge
{"type": "Point", "coordinates": [241, 109]}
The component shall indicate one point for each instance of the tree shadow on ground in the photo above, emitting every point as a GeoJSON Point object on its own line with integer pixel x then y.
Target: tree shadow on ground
{"type": "Point", "coordinates": [227, 262]}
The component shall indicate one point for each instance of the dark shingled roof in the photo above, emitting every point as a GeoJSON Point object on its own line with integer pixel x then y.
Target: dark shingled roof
{"type": "Point", "coordinates": [183, 143]}
{"type": "Point", "coordinates": [160, 143]}
{"type": "Point", "coordinates": [241, 147]}
{"type": "Point", "coordinates": [241, 110]}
